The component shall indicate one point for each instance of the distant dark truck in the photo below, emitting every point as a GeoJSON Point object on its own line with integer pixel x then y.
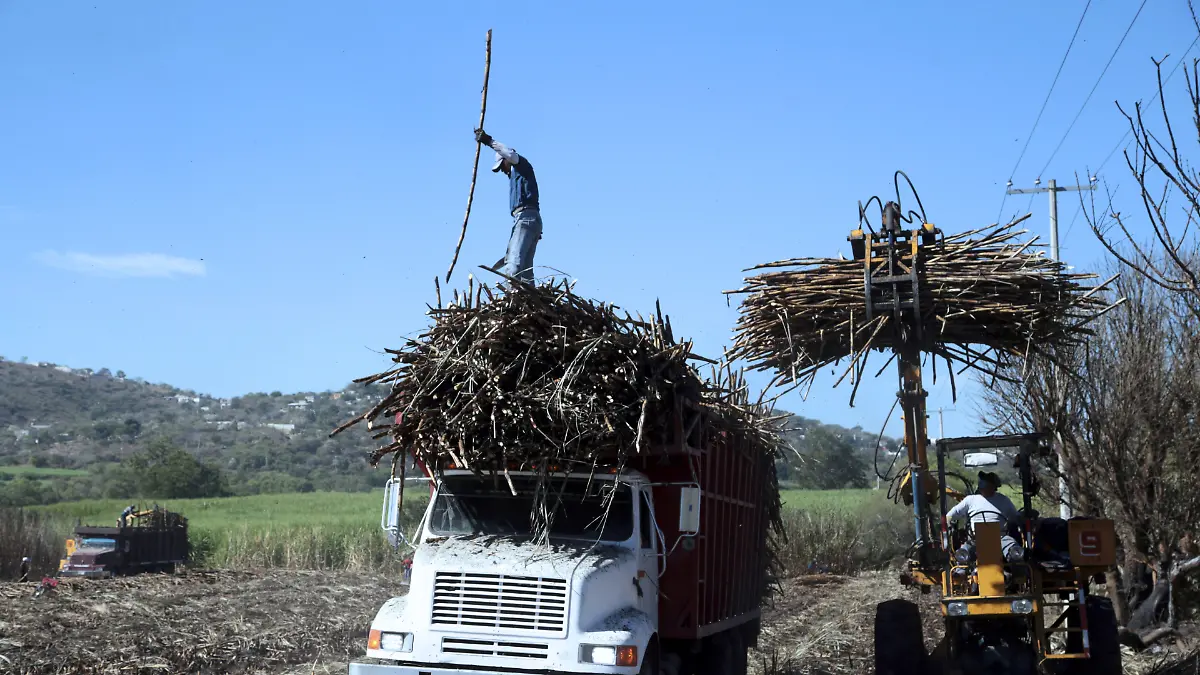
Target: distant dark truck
{"type": "Point", "coordinates": [154, 540]}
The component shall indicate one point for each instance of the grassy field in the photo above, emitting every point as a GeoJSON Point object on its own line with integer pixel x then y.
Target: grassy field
{"type": "Point", "coordinates": [283, 510]}
{"type": "Point", "coordinates": [315, 530]}
{"type": "Point", "coordinates": [842, 529]}
{"type": "Point", "coordinates": [35, 472]}
{"type": "Point", "coordinates": [840, 500]}
{"type": "Point", "coordinates": [355, 509]}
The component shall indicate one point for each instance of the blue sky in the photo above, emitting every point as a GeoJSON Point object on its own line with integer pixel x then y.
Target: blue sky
{"type": "Point", "coordinates": [236, 197]}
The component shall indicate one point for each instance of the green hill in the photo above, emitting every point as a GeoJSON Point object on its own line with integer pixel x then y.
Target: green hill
{"type": "Point", "coordinates": [822, 456]}
{"type": "Point", "coordinates": [63, 429]}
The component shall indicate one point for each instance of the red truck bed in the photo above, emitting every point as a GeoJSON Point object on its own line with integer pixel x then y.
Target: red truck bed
{"type": "Point", "coordinates": [719, 582]}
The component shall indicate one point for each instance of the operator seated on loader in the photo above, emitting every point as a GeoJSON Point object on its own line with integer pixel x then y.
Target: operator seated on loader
{"type": "Point", "coordinates": [989, 506]}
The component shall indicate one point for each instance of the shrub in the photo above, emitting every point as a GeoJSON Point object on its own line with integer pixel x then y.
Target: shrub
{"type": "Point", "coordinates": [26, 533]}
{"type": "Point", "coordinates": [845, 541]}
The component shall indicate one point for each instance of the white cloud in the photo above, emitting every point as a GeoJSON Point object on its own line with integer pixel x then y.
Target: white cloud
{"type": "Point", "coordinates": [123, 264]}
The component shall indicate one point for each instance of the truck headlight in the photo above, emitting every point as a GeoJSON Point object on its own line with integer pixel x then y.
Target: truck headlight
{"type": "Point", "coordinates": [956, 608]}
{"type": "Point", "coordinates": [390, 642]}
{"type": "Point", "coordinates": [605, 655]}
{"type": "Point", "coordinates": [1023, 606]}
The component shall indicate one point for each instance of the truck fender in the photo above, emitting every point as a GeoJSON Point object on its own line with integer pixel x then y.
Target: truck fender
{"type": "Point", "coordinates": [637, 623]}
{"type": "Point", "coordinates": [391, 614]}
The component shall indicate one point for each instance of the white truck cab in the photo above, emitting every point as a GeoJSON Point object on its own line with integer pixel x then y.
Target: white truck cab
{"type": "Point", "coordinates": [485, 597]}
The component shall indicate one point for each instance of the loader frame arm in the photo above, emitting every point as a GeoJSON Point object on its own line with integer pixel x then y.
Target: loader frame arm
{"type": "Point", "coordinates": [894, 285]}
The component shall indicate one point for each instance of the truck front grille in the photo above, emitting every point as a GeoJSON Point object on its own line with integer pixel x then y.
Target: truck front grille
{"type": "Point", "coordinates": [522, 650]}
{"type": "Point", "coordinates": [498, 601]}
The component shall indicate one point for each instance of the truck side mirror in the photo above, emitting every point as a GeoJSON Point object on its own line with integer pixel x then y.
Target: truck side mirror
{"type": "Point", "coordinates": [689, 510]}
{"type": "Point", "coordinates": [390, 521]}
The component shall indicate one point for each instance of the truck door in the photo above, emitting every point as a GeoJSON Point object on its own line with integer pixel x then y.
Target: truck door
{"type": "Point", "coordinates": [648, 560]}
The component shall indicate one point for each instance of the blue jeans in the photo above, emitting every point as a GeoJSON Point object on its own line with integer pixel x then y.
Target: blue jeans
{"type": "Point", "coordinates": [527, 230]}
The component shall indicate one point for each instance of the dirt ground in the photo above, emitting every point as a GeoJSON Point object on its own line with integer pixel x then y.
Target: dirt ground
{"type": "Point", "coordinates": [301, 623]}
{"type": "Point", "coordinates": [191, 622]}
{"type": "Point", "coordinates": [822, 625]}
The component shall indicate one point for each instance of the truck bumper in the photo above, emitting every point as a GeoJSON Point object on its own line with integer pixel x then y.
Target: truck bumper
{"type": "Point", "coordinates": [421, 669]}
{"type": "Point", "coordinates": [376, 669]}
{"type": "Point", "coordinates": [87, 574]}
{"type": "Point", "coordinates": [379, 669]}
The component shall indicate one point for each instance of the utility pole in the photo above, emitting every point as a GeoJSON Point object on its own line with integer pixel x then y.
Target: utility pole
{"type": "Point", "coordinates": [941, 422]}
{"type": "Point", "coordinates": [1052, 188]}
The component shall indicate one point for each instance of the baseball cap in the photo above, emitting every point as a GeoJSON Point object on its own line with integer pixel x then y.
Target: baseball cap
{"type": "Point", "coordinates": [499, 161]}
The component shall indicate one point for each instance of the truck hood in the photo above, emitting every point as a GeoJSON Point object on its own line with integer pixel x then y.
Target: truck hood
{"type": "Point", "coordinates": [93, 556]}
{"type": "Point", "coordinates": [600, 579]}
{"type": "Point", "coordinates": [507, 555]}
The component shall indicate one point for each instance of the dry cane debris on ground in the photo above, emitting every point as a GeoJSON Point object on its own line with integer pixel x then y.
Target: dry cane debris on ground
{"type": "Point", "coordinates": [986, 296]}
{"type": "Point", "coordinates": [298, 623]}
{"type": "Point", "coordinates": [192, 622]}
{"type": "Point", "coordinates": [825, 625]}
{"type": "Point", "coordinates": [1183, 659]}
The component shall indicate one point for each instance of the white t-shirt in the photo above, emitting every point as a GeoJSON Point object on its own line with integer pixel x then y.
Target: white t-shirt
{"type": "Point", "coordinates": [979, 509]}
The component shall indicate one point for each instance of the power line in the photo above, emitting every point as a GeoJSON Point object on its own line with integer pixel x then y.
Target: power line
{"type": "Point", "coordinates": [1078, 210]}
{"type": "Point", "coordinates": [1094, 87]}
{"type": "Point", "coordinates": [1038, 119]}
{"type": "Point", "coordinates": [1052, 84]}
{"type": "Point", "coordinates": [1157, 92]}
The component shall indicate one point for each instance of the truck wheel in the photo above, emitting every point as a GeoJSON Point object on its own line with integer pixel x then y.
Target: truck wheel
{"type": "Point", "coordinates": [650, 660]}
{"type": "Point", "coordinates": [899, 639]}
{"type": "Point", "coordinates": [723, 654]}
{"type": "Point", "coordinates": [740, 657]}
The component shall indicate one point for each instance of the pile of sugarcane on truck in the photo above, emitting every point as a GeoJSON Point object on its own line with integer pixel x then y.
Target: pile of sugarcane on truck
{"type": "Point", "coordinates": [658, 565]}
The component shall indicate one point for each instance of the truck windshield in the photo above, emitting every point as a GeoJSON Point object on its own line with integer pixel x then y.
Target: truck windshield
{"type": "Point", "coordinates": [93, 542]}
{"type": "Point", "coordinates": [471, 505]}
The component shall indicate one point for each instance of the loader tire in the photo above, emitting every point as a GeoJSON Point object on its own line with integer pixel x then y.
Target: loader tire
{"type": "Point", "coordinates": [899, 639]}
{"type": "Point", "coordinates": [1103, 638]}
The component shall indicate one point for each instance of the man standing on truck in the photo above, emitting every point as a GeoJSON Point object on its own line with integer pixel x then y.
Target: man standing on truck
{"type": "Point", "coordinates": [125, 516]}
{"type": "Point", "coordinates": [989, 506]}
{"type": "Point", "coordinates": [522, 204]}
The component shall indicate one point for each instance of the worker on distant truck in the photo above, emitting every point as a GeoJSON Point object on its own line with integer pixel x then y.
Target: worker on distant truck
{"type": "Point", "coordinates": [522, 204]}
{"type": "Point", "coordinates": [989, 506]}
{"type": "Point", "coordinates": [124, 519]}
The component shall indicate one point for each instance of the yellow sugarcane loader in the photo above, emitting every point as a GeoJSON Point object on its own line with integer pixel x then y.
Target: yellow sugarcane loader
{"type": "Point", "coordinates": [1015, 614]}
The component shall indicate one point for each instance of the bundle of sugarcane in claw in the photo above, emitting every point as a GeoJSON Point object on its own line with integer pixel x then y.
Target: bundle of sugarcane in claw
{"type": "Point", "coordinates": [985, 296]}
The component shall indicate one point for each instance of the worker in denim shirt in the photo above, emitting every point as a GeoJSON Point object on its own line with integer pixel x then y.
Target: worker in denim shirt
{"type": "Point", "coordinates": [522, 204]}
